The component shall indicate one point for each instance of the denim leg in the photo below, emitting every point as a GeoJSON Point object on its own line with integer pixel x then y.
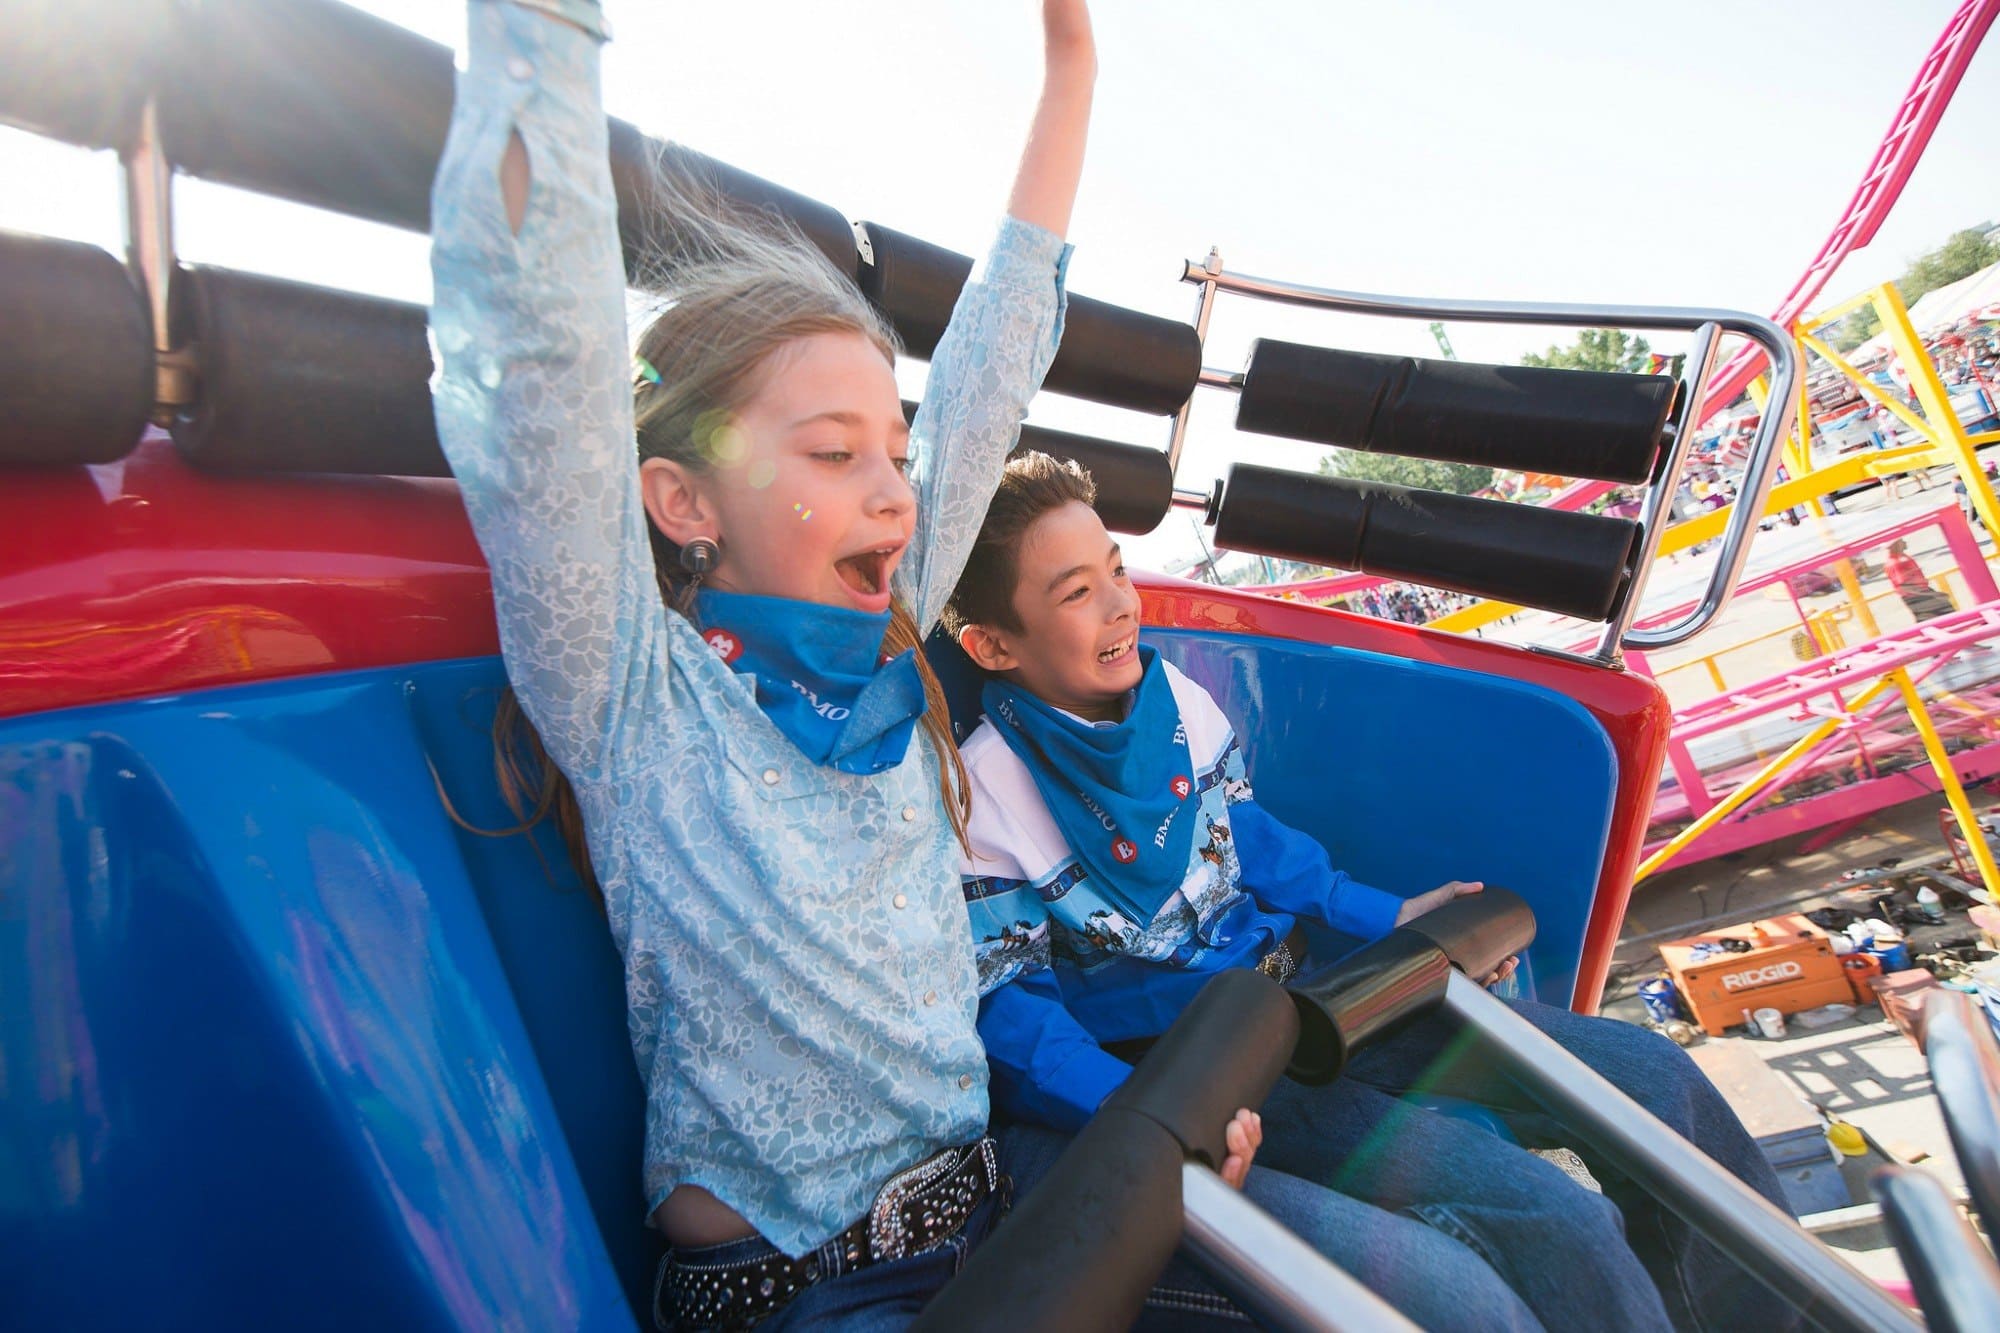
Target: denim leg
{"type": "Point", "coordinates": [1433, 1279]}
{"type": "Point", "coordinates": [1703, 1288]}
{"type": "Point", "coordinates": [1561, 1247]}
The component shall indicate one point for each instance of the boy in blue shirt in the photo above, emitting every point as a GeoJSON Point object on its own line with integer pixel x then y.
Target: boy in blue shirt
{"type": "Point", "coordinates": [1118, 858]}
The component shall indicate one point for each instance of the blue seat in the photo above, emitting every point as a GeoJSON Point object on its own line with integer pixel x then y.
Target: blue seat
{"type": "Point", "coordinates": [285, 1046]}
{"type": "Point", "coordinates": [285, 1043]}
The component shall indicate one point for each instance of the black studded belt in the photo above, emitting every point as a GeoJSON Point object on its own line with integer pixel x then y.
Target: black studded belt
{"type": "Point", "coordinates": [917, 1210]}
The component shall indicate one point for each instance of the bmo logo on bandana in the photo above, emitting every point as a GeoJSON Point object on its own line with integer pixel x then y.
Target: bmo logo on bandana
{"type": "Point", "coordinates": [727, 646]}
{"type": "Point", "coordinates": [1124, 851]}
{"type": "Point", "coordinates": [1180, 786]}
{"type": "Point", "coordinates": [1762, 976]}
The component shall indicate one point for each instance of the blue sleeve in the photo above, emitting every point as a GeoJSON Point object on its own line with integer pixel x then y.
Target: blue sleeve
{"type": "Point", "coordinates": [1286, 871]}
{"type": "Point", "coordinates": [1045, 1068]}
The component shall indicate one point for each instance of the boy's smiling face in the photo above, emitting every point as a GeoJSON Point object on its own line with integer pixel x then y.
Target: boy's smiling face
{"type": "Point", "coordinates": [1078, 645]}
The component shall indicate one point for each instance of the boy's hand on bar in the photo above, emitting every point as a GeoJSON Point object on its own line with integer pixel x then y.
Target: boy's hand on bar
{"type": "Point", "coordinates": [1436, 898]}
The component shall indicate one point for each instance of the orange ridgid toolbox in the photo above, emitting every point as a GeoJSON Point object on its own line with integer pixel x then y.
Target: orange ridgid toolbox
{"type": "Point", "coordinates": [1789, 967]}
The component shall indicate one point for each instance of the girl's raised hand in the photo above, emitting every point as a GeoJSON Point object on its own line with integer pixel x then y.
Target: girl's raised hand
{"type": "Point", "coordinates": [1045, 183]}
{"type": "Point", "coordinates": [1066, 29]}
{"type": "Point", "coordinates": [1242, 1137]}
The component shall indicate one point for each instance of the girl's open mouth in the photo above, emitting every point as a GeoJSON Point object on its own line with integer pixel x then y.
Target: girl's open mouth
{"type": "Point", "coordinates": [1117, 650]}
{"type": "Point", "coordinates": [867, 574]}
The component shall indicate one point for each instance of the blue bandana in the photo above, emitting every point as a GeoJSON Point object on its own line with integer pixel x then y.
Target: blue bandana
{"type": "Point", "coordinates": [820, 675]}
{"type": "Point", "coordinates": [1124, 796]}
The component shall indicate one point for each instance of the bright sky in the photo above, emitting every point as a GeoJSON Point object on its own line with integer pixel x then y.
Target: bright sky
{"type": "Point", "coordinates": [1540, 150]}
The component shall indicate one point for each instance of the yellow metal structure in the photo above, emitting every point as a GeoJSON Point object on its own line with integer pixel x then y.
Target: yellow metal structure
{"type": "Point", "coordinates": [1954, 790]}
{"type": "Point", "coordinates": [1944, 441]}
{"type": "Point", "coordinates": [1763, 778]}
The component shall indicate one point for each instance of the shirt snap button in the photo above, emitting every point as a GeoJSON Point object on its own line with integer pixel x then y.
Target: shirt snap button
{"type": "Point", "coordinates": [930, 997]}
{"type": "Point", "coordinates": [770, 777]}
{"type": "Point", "coordinates": [964, 1082]}
{"type": "Point", "coordinates": [900, 901]}
{"type": "Point", "coordinates": [909, 813]}
{"type": "Point", "coordinates": [520, 70]}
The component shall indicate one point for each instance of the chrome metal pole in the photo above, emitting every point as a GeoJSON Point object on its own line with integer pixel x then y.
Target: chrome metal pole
{"type": "Point", "coordinates": [1965, 1070]}
{"type": "Point", "coordinates": [1956, 1279]}
{"type": "Point", "coordinates": [1767, 1242]}
{"type": "Point", "coordinates": [1278, 1279]}
{"type": "Point", "coordinates": [149, 251]}
{"type": "Point", "coordinates": [1759, 470]}
{"type": "Point", "coordinates": [1660, 499]}
{"type": "Point", "coordinates": [1204, 307]}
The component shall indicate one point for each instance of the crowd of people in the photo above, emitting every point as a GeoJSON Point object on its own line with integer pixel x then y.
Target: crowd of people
{"type": "Point", "coordinates": [1409, 604]}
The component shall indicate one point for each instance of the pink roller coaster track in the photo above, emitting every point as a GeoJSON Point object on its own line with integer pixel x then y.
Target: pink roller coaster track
{"type": "Point", "coordinates": [1895, 158]}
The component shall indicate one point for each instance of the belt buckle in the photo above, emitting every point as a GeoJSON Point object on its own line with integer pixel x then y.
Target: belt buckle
{"type": "Point", "coordinates": [888, 1231]}
{"type": "Point", "coordinates": [1278, 964]}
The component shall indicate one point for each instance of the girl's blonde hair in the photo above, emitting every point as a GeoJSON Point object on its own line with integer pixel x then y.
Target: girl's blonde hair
{"type": "Point", "coordinates": [732, 293]}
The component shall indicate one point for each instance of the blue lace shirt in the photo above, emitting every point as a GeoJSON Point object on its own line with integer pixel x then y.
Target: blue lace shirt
{"type": "Point", "coordinates": [799, 976]}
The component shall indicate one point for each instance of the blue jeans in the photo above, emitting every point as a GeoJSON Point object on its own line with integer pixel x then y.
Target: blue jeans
{"type": "Point", "coordinates": [1580, 1260]}
{"type": "Point", "coordinates": [1434, 1280]}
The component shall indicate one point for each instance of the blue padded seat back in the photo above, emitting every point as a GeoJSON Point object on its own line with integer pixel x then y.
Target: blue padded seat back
{"type": "Point", "coordinates": [289, 1048]}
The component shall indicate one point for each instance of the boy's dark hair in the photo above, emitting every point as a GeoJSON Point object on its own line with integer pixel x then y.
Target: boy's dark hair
{"type": "Point", "coordinates": [1032, 485]}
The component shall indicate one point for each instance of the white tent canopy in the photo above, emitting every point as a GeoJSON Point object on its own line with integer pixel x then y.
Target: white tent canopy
{"type": "Point", "coordinates": [1937, 311]}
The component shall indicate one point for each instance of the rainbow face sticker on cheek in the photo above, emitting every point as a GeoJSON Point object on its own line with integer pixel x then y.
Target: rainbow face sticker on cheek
{"type": "Point", "coordinates": [803, 512]}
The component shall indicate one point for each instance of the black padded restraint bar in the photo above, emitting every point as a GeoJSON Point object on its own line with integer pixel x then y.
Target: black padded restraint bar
{"type": "Point", "coordinates": [1102, 1224]}
{"type": "Point", "coordinates": [1574, 423]}
{"type": "Point", "coordinates": [1376, 990]}
{"type": "Point", "coordinates": [1135, 487]}
{"type": "Point", "coordinates": [1479, 931]}
{"type": "Point", "coordinates": [1108, 354]}
{"type": "Point", "coordinates": [313, 101]}
{"type": "Point", "coordinates": [76, 354]}
{"type": "Point", "coordinates": [1575, 564]}
{"type": "Point", "coordinates": [1224, 1052]}
{"type": "Point", "coordinates": [298, 378]}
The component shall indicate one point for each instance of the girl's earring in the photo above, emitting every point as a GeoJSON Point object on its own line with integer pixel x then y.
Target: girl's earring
{"type": "Point", "coordinates": [698, 556]}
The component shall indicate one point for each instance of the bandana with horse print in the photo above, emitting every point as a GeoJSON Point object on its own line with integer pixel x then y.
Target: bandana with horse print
{"type": "Point", "coordinates": [1124, 796]}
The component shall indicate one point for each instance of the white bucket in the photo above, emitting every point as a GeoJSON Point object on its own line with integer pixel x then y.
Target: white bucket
{"type": "Point", "coordinates": [1770, 1023]}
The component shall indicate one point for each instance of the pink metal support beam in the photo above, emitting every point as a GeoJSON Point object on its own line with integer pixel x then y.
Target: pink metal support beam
{"type": "Point", "coordinates": [1847, 667]}
{"type": "Point", "coordinates": [1849, 802]}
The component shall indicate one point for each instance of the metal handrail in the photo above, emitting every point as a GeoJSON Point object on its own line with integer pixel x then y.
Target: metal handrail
{"type": "Point", "coordinates": [1965, 1069]}
{"type": "Point", "coordinates": [1759, 471]}
{"type": "Point", "coordinates": [1270, 1273]}
{"type": "Point", "coordinates": [1956, 1280]}
{"type": "Point", "coordinates": [1659, 510]}
{"type": "Point", "coordinates": [1756, 1233]}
